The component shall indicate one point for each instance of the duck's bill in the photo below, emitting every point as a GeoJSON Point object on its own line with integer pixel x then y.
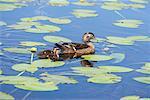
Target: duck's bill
{"type": "Point", "coordinates": [96, 40]}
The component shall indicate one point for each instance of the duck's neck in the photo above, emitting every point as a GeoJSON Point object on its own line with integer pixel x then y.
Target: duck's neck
{"type": "Point", "coordinates": [90, 45]}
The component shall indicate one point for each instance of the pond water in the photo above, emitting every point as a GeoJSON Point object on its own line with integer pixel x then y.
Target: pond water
{"type": "Point", "coordinates": [136, 55]}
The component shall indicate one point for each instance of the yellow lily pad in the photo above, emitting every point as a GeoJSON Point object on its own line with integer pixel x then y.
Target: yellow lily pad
{"type": "Point", "coordinates": [115, 69]}
{"type": "Point", "coordinates": [133, 97]}
{"type": "Point", "coordinates": [56, 39]}
{"type": "Point", "coordinates": [144, 69]}
{"type": "Point", "coordinates": [25, 67]}
{"type": "Point", "coordinates": [97, 57]}
{"type": "Point", "coordinates": [84, 3]}
{"type": "Point", "coordinates": [5, 96]}
{"type": "Point", "coordinates": [57, 79]}
{"type": "Point", "coordinates": [45, 63]}
{"type": "Point", "coordinates": [18, 50]}
{"type": "Point", "coordinates": [136, 6]}
{"type": "Point", "coordinates": [139, 1]}
{"type": "Point", "coordinates": [60, 20]}
{"type": "Point", "coordinates": [145, 80]}
{"type": "Point", "coordinates": [59, 2]}
{"type": "Point", "coordinates": [82, 13]}
{"type": "Point", "coordinates": [137, 38]}
{"type": "Point", "coordinates": [38, 86]}
{"type": "Point", "coordinates": [129, 23]}
{"type": "Point", "coordinates": [105, 79]}
{"type": "Point", "coordinates": [31, 43]}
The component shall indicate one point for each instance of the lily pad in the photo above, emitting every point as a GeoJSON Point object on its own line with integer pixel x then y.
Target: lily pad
{"type": "Point", "coordinates": [119, 40]}
{"type": "Point", "coordinates": [83, 3]}
{"type": "Point", "coordinates": [137, 6]}
{"type": "Point", "coordinates": [56, 39]}
{"type": "Point", "coordinates": [17, 79]}
{"type": "Point", "coordinates": [145, 80]}
{"type": "Point", "coordinates": [118, 57]}
{"type": "Point", "coordinates": [5, 96]}
{"type": "Point", "coordinates": [45, 63]}
{"type": "Point", "coordinates": [1, 71]}
{"type": "Point", "coordinates": [31, 43]}
{"type": "Point", "coordinates": [115, 69]}
{"type": "Point", "coordinates": [88, 71]}
{"type": "Point", "coordinates": [59, 2]}
{"type": "Point", "coordinates": [15, 1]}
{"type": "Point", "coordinates": [18, 50]}
{"type": "Point", "coordinates": [57, 79]}
{"type": "Point", "coordinates": [2, 23]}
{"type": "Point", "coordinates": [145, 69]}
{"type": "Point", "coordinates": [139, 1]}
{"type": "Point", "coordinates": [1, 53]}
{"type": "Point", "coordinates": [137, 38]}
{"type": "Point", "coordinates": [38, 86]}
{"type": "Point", "coordinates": [35, 18]}
{"type": "Point", "coordinates": [97, 57]}
{"type": "Point", "coordinates": [129, 23]}
{"type": "Point", "coordinates": [82, 13]}
{"type": "Point", "coordinates": [25, 67]}
{"type": "Point", "coordinates": [60, 20]}
{"type": "Point", "coordinates": [133, 97]}
{"type": "Point", "coordinates": [105, 79]}
{"type": "Point", "coordinates": [98, 40]}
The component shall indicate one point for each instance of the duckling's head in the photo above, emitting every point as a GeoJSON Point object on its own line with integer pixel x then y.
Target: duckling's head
{"type": "Point", "coordinates": [88, 36]}
{"type": "Point", "coordinates": [44, 54]}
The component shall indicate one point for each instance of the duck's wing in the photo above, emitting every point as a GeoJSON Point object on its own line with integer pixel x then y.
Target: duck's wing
{"type": "Point", "coordinates": [71, 44]}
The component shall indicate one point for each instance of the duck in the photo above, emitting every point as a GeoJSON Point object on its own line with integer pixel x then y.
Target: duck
{"type": "Point", "coordinates": [78, 49]}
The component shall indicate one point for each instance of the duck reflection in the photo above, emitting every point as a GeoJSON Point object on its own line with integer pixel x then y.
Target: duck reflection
{"type": "Point", "coordinates": [86, 63]}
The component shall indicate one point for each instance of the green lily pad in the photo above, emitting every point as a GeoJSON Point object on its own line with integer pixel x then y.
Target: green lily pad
{"type": "Point", "coordinates": [139, 1]}
{"type": "Point", "coordinates": [15, 1]}
{"type": "Point", "coordinates": [5, 96]}
{"type": "Point", "coordinates": [35, 18]}
{"type": "Point", "coordinates": [38, 86]}
{"type": "Point", "coordinates": [83, 3]}
{"type": "Point", "coordinates": [98, 40]}
{"type": "Point", "coordinates": [129, 23]}
{"type": "Point", "coordinates": [114, 5]}
{"type": "Point", "coordinates": [137, 38]}
{"type": "Point", "coordinates": [145, 80]}
{"type": "Point", "coordinates": [119, 40]}
{"type": "Point", "coordinates": [31, 43]}
{"type": "Point", "coordinates": [60, 20]}
{"type": "Point", "coordinates": [1, 71]}
{"type": "Point", "coordinates": [137, 6]}
{"type": "Point", "coordinates": [25, 67]}
{"type": "Point", "coordinates": [1, 53]}
{"type": "Point", "coordinates": [59, 2]}
{"type": "Point", "coordinates": [57, 79]}
{"type": "Point", "coordinates": [2, 23]}
{"type": "Point", "coordinates": [88, 71]}
{"type": "Point", "coordinates": [43, 29]}
{"type": "Point", "coordinates": [17, 79]}
{"type": "Point", "coordinates": [56, 39]}
{"type": "Point", "coordinates": [133, 97]}
{"type": "Point", "coordinates": [144, 69]}
{"type": "Point", "coordinates": [82, 13]}
{"type": "Point", "coordinates": [18, 50]}
{"type": "Point", "coordinates": [105, 79]}
{"type": "Point", "coordinates": [45, 63]}
{"type": "Point", "coordinates": [115, 69]}
{"type": "Point", "coordinates": [97, 57]}
{"type": "Point", "coordinates": [118, 57]}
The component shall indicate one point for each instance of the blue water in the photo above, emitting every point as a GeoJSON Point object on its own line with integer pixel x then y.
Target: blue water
{"type": "Point", "coordinates": [102, 27]}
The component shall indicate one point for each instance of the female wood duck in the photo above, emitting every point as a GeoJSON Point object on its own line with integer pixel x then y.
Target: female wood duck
{"type": "Point", "coordinates": [78, 49]}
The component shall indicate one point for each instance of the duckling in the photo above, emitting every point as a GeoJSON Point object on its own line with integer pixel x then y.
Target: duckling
{"type": "Point", "coordinates": [78, 49]}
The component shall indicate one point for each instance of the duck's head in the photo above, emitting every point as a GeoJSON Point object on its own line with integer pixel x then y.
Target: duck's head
{"type": "Point", "coordinates": [88, 36]}
{"type": "Point", "coordinates": [44, 54]}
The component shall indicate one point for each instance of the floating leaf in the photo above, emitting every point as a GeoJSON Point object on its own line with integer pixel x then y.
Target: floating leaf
{"type": "Point", "coordinates": [25, 67]}
{"type": "Point", "coordinates": [97, 57]}
{"type": "Point", "coordinates": [134, 97]}
{"type": "Point", "coordinates": [47, 63]}
{"type": "Point", "coordinates": [60, 20]}
{"type": "Point", "coordinates": [5, 96]}
{"type": "Point", "coordinates": [16, 1]}
{"type": "Point", "coordinates": [1, 53]}
{"type": "Point", "coordinates": [105, 79]}
{"type": "Point", "coordinates": [98, 40]}
{"type": "Point", "coordinates": [36, 18]}
{"type": "Point", "coordinates": [145, 69]}
{"type": "Point", "coordinates": [57, 79]}
{"type": "Point", "coordinates": [136, 6]}
{"type": "Point", "coordinates": [31, 43]}
{"type": "Point", "coordinates": [139, 1]}
{"type": "Point", "coordinates": [18, 50]}
{"type": "Point", "coordinates": [119, 40]}
{"type": "Point", "coordinates": [56, 39]}
{"type": "Point", "coordinates": [2, 23]}
{"type": "Point", "coordinates": [81, 13]}
{"type": "Point", "coordinates": [38, 86]}
{"type": "Point", "coordinates": [137, 38]}
{"type": "Point", "coordinates": [118, 57]}
{"type": "Point", "coordinates": [83, 3]}
{"type": "Point", "coordinates": [88, 71]}
{"type": "Point", "coordinates": [115, 69]}
{"type": "Point", "coordinates": [129, 23]}
{"type": "Point", "coordinates": [17, 79]}
{"type": "Point", "coordinates": [145, 80]}
{"type": "Point", "coordinates": [59, 2]}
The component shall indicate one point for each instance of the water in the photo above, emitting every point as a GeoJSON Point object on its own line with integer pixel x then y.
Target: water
{"type": "Point", "coordinates": [101, 26]}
